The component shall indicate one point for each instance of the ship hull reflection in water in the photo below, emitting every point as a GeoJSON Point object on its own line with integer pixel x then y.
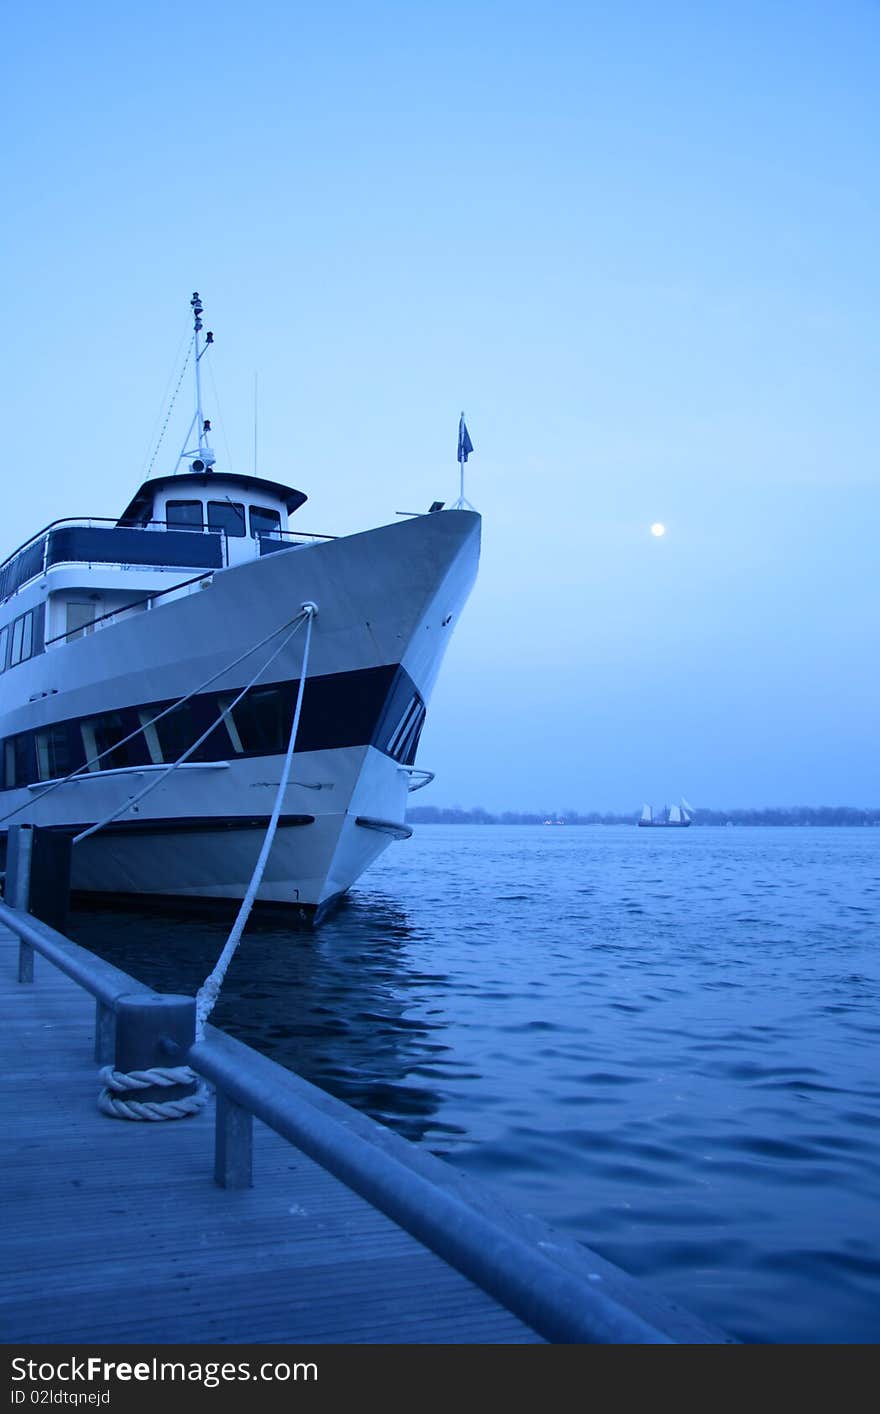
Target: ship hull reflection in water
{"type": "Point", "coordinates": [326, 1004]}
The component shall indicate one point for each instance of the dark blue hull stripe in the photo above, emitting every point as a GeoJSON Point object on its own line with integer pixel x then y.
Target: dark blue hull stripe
{"type": "Point", "coordinates": [377, 707]}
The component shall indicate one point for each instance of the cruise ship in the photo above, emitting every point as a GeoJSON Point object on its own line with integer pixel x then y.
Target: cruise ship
{"type": "Point", "coordinates": [177, 680]}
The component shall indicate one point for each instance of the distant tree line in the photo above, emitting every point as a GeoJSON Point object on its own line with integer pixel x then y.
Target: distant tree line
{"type": "Point", "coordinates": [768, 815]}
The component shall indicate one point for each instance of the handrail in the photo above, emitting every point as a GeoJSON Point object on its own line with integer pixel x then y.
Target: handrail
{"type": "Point", "coordinates": [418, 778]}
{"type": "Point", "coordinates": [86, 521]}
{"type": "Point", "coordinates": [35, 571]}
{"type": "Point", "coordinates": [292, 535]}
{"type": "Point", "coordinates": [561, 1306]}
{"type": "Point", "coordinates": [104, 981]}
{"type": "Point", "coordinates": [574, 1297]}
{"type": "Point", "coordinates": [114, 521]}
{"type": "Point", "coordinates": [136, 603]}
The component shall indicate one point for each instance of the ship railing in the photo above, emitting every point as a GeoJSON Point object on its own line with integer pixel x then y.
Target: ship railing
{"type": "Point", "coordinates": [91, 540]}
{"type": "Point", "coordinates": [559, 1288]}
{"type": "Point", "coordinates": [94, 540]}
{"type": "Point", "coordinates": [271, 540]}
{"type": "Point", "coordinates": [418, 778]}
{"type": "Point", "coordinates": [137, 606]}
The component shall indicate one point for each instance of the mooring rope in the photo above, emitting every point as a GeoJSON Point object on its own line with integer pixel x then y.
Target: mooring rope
{"type": "Point", "coordinates": [207, 995]}
{"type": "Point", "coordinates": [118, 1098]}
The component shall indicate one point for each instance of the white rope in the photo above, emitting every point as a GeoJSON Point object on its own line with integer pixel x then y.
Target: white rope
{"type": "Point", "coordinates": [93, 761]}
{"type": "Point", "coordinates": [118, 1083]}
{"type": "Point", "coordinates": [118, 1097]}
{"type": "Point", "coordinates": [163, 775]}
{"type": "Point", "coordinates": [207, 995]}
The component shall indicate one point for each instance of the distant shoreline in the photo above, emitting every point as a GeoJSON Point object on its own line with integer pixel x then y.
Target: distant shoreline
{"type": "Point", "coordinates": [771, 815]}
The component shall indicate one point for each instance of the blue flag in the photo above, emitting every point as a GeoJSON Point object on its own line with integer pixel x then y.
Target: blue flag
{"type": "Point", "coordinates": [465, 445]}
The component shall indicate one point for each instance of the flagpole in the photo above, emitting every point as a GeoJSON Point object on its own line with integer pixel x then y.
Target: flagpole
{"type": "Point", "coordinates": [462, 504]}
{"type": "Point", "coordinates": [460, 464]}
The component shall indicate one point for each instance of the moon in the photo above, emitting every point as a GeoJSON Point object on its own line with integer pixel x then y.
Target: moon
{"type": "Point", "coordinates": [658, 529]}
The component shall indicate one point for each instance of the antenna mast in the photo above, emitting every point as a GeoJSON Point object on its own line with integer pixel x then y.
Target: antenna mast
{"type": "Point", "coordinates": [204, 457]}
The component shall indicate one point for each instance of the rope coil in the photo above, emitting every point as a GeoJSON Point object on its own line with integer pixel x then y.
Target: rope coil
{"type": "Point", "coordinates": [118, 1083]}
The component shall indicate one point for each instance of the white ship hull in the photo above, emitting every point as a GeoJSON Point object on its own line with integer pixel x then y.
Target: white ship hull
{"type": "Point", "coordinates": [387, 601]}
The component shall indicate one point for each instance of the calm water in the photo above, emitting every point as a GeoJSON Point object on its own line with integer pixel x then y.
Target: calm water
{"type": "Point", "coordinates": [662, 1042]}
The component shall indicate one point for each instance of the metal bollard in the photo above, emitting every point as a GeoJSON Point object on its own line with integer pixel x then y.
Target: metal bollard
{"type": "Point", "coordinates": [151, 1031]}
{"type": "Point", "coordinates": [105, 1033]}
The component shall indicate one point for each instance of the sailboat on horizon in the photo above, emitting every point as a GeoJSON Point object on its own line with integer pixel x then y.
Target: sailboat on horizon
{"type": "Point", "coordinates": [676, 817]}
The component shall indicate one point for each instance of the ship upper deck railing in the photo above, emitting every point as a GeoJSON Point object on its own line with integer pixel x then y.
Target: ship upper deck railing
{"type": "Point", "coordinates": [99, 540]}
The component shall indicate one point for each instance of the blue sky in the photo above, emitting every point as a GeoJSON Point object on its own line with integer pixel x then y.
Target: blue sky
{"type": "Point", "coordinates": [637, 244]}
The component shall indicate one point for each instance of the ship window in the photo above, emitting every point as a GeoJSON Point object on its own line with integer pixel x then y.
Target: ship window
{"type": "Point", "coordinates": [184, 515]}
{"type": "Point", "coordinates": [53, 752]}
{"type": "Point", "coordinates": [80, 617]}
{"type": "Point", "coordinates": [176, 733]}
{"type": "Point", "coordinates": [18, 760]}
{"type": "Point", "coordinates": [264, 521]}
{"type": "Point", "coordinates": [404, 739]}
{"type": "Point", "coordinates": [259, 722]}
{"type": "Point", "coordinates": [104, 734]}
{"type": "Point", "coordinates": [22, 638]}
{"type": "Point", "coordinates": [4, 643]}
{"type": "Point", "coordinates": [226, 515]}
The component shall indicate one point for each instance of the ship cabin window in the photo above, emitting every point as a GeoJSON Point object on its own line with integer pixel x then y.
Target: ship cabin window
{"type": "Point", "coordinates": [264, 521]}
{"type": "Point", "coordinates": [22, 638]}
{"type": "Point", "coordinates": [227, 516]}
{"type": "Point", "coordinates": [259, 724]}
{"type": "Point", "coordinates": [176, 733]}
{"type": "Point", "coordinates": [18, 760]}
{"type": "Point", "coordinates": [184, 515]}
{"type": "Point", "coordinates": [80, 618]}
{"type": "Point", "coordinates": [4, 645]}
{"type": "Point", "coordinates": [104, 736]}
{"type": "Point", "coordinates": [54, 757]}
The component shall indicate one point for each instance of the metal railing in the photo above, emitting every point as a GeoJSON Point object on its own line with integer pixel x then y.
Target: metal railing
{"type": "Point", "coordinates": [560, 1297]}
{"type": "Point", "coordinates": [43, 551]}
{"type": "Point", "coordinates": [136, 604]}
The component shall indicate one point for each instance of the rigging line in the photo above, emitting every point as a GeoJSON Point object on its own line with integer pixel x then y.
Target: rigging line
{"type": "Point", "coordinates": [170, 410]}
{"type": "Point", "coordinates": [209, 991]}
{"type": "Point", "coordinates": [163, 776]}
{"type": "Point", "coordinates": [162, 404]}
{"type": "Point", "coordinates": [93, 761]}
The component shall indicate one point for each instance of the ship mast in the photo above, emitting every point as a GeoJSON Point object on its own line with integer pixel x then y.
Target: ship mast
{"type": "Point", "coordinates": [202, 454]}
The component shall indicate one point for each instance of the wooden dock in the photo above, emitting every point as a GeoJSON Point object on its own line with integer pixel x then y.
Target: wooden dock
{"type": "Point", "coordinates": [115, 1232]}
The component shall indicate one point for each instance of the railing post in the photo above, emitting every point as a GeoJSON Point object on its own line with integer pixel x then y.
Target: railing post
{"type": "Point", "coordinates": [38, 874]}
{"type": "Point", "coordinates": [25, 962]}
{"type": "Point", "coordinates": [19, 854]}
{"type": "Point", "coordinates": [233, 1144]}
{"type": "Point", "coordinates": [18, 866]}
